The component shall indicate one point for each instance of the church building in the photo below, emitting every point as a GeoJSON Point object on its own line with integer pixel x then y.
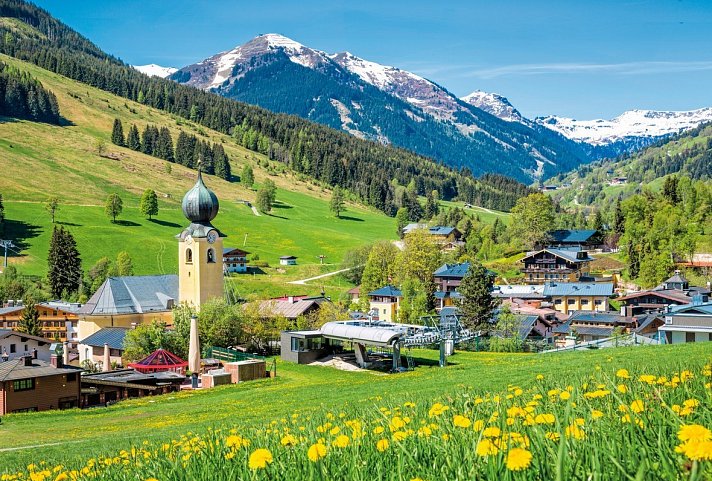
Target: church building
{"type": "Point", "coordinates": [128, 301]}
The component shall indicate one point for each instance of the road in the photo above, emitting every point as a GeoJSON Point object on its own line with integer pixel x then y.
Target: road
{"type": "Point", "coordinates": [328, 274]}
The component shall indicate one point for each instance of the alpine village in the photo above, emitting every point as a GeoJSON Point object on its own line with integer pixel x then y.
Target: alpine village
{"type": "Point", "coordinates": [278, 263]}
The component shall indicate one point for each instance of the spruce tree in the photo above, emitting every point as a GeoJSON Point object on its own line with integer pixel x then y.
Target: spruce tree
{"type": "Point", "coordinates": [149, 138]}
{"type": "Point", "coordinates": [113, 207]}
{"type": "Point", "coordinates": [476, 301]}
{"type": "Point", "coordinates": [164, 145]}
{"type": "Point", "coordinates": [184, 149]}
{"type": "Point", "coordinates": [618, 218]}
{"type": "Point", "coordinates": [431, 206]}
{"type": "Point", "coordinates": [117, 134]}
{"type": "Point", "coordinates": [133, 140]}
{"type": "Point", "coordinates": [221, 162]}
{"type": "Point", "coordinates": [30, 320]}
{"type": "Point", "coordinates": [337, 205]}
{"type": "Point", "coordinates": [247, 177]}
{"type": "Point", "coordinates": [64, 264]}
{"type": "Point", "coordinates": [149, 203]}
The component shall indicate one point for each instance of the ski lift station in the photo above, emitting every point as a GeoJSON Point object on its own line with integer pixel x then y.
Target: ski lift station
{"type": "Point", "coordinates": [371, 339]}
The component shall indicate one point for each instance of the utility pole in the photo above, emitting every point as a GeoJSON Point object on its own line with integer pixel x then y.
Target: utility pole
{"type": "Point", "coordinates": [6, 244]}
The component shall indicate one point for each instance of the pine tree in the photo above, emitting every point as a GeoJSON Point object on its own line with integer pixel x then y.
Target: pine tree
{"type": "Point", "coordinates": [149, 203]}
{"type": "Point", "coordinates": [30, 320]}
{"type": "Point", "coordinates": [337, 205]}
{"type": "Point", "coordinates": [247, 177]}
{"type": "Point", "coordinates": [476, 302]}
{"type": "Point", "coordinates": [184, 149]}
{"type": "Point", "coordinates": [117, 134]}
{"type": "Point", "coordinates": [164, 145]}
{"type": "Point", "coordinates": [618, 218]}
{"type": "Point", "coordinates": [431, 206]}
{"type": "Point", "coordinates": [64, 273]}
{"type": "Point", "coordinates": [133, 140]}
{"type": "Point", "coordinates": [221, 162]}
{"type": "Point", "coordinates": [149, 139]}
{"type": "Point", "coordinates": [401, 221]}
{"type": "Point", "coordinates": [114, 206]}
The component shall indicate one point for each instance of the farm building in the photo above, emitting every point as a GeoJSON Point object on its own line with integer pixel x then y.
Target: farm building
{"type": "Point", "coordinates": [288, 261]}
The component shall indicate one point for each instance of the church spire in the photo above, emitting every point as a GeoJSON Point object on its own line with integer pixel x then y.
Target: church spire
{"type": "Point", "coordinates": [200, 204]}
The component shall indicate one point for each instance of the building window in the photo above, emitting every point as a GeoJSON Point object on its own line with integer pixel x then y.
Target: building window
{"type": "Point", "coordinates": [584, 302]}
{"type": "Point", "coordinates": [23, 385]}
{"type": "Point", "coordinates": [13, 348]}
{"type": "Point", "coordinates": [211, 256]}
{"type": "Point", "coordinates": [571, 302]}
{"type": "Point", "coordinates": [26, 410]}
{"type": "Point", "coordinates": [689, 337]}
{"type": "Point", "coordinates": [71, 377]}
{"type": "Point", "coordinates": [557, 302]}
{"type": "Point", "coordinates": [598, 302]}
{"type": "Point", "coordinates": [188, 256]}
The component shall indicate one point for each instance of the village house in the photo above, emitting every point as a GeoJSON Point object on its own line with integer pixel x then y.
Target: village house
{"type": "Point", "coordinates": [28, 384]}
{"type": "Point", "coordinates": [385, 302]}
{"type": "Point", "coordinates": [675, 291]}
{"type": "Point", "coordinates": [555, 265]}
{"type": "Point", "coordinates": [101, 388]}
{"type": "Point", "coordinates": [591, 326]}
{"type": "Point", "coordinates": [581, 239]}
{"type": "Point", "coordinates": [58, 319]}
{"type": "Point", "coordinates": [93, 347]}
{"type": "Point", "coordinates": [688, 323]}
{"type": "Point", "coordinates": [448, 278]}
{"type": "Point", "coordinates": [292, 307]}
{"type": "Point", "coordinates": [568, 297]}
{"type": "Point", "coordinates": [288, 261]}
{"type": "Point", "coordinates": [234, 260]}
{"type": "Point", "coordinates": [446, 237]}
{"type": "Point", "coordinates": [15, 344]}
{"type": "Point", "coordinates": [354, 294]}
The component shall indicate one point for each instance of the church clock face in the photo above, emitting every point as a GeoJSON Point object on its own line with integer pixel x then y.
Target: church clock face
{"type": "Point", "coordinates": [212, 236]}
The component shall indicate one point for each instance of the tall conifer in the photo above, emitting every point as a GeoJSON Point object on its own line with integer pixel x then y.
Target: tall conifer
{"type": "Point", "coordinates": [117, 134]}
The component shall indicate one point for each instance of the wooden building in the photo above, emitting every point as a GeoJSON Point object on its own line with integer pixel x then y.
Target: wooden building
{"type": "Point", "coordinates": [234, 260]}
{"type": "Point", "coordinates": [591, 326]}
{"type": "Point", "coordinates": [675, 291]}
{"type": "Point", "coordinates": [568, 297]}
{"type": "Point", "coordinates": [555, 265]}
{"type": "Point", "coordinates": [58, 319]}
{"type": "Point", "coordinates": [101, 388]}
{"type": "Point", "coordinates": [28, 384]}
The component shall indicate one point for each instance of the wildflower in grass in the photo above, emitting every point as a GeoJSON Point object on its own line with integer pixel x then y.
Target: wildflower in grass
{"type": "Point", "coordinates": [596, 414]}
{"type": "Point", "coordinates": [622, 388]}
{"type": "Point", "coordinates": [539, 377]}
{"type": "Point", "coordinates": [648, 378]}
{"type": "Point", "coordinates": [397, 423]}
{"type": "Point", "coordinates": [235, 441]}
{"type": "Point", "coordinates": [491, 432]}
{"type": "Point", "coordinates": [478, 425]}
{"type": "Point", "coordinates": [341, 441]}
{"type": "Point", "coordinates": [260, 458]}
{"type": "Point", "coordinates": [399, 435]}
{"type": "Point", "coordinates": [289, 440]}
{"type": "Point", "coordinates": [691, 403]}
{"type": "Point", "coordinates": [378, 430]}
{"type": "Point", "coordinates": [316, 452]}
{"type": "Point", "coordinates": [461, 421]}
{"type": "Point", "coordinates": [546, 418]}
{"type": "Point", "coordinates": [425, 431]}
{"type": "Point", "coordinates": [486, 448]}
{"type": "Point", "coordinates": [623, 374]}
{"type": "Point", "coordinates": [61, 477]}
{"type": "Point", "coordinates": [694, 432]}
{"type": "Point", "coordinates": [437, 409]}
{"type": "Point", "coordinates": [565, 395]}
{"type": "Point", "coordinates": [518, 459]}
{"type": "Point", "coordinates": [382, 445]}
{"type": "Point", "coordinates": [445, 437]}
{"type": "Point", "coordinates": [696, 450]}
{"type": "Point", "coordinates": [574, 431]}
{"type": "Point", "coordinates": [335, 430]}
{"type": "Point", "coordinates": [686, 375]}
{"type": "Point", "coordinates": [553, 436]}
{"type": "Point", "coordinates": [409, 404]}
{"type": "Point", "coordinates": [417, 479]}
{"type": "Point", "coordinates": [637, 406]}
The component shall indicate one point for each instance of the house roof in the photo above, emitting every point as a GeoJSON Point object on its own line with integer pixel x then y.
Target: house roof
{"type": "Point", "coordinates": [70, 307]}
{"type": "Point", "coordinates": [519, 291]}
{"type": "Point", "coordinates": [16, 369]}
{"type": "Point", "coordinates": [434, 230]}
{"type": "Point", "coordinates": [566, 254]}
{"type": "Point", "coordinates": [571, 236]}
{"type": "Point", "coordinates": [133, 295]}
{"type": "Point", "coordinates": [599, 318]}
{"type": "Point", "coordinates": [159, 359]}
{"type": "Point", "coordinates": [526, 325]}
{"type": "Point", "coordinates": [667, 294]}
{"type": "Point", "coordinates": [676, 279]}
{"type": "Point", "coordinates": [453, 270]}
{"type": "Point", "coordinates": [4, 333]}
{"type": "Point", "coordinates": [578, 289]}
{"type": "Point", "coordinates": [291, 310]}
{"type": "Point", "coordinates": [9, 310]}
{"type": "Point", "coordinates": [354, 290]}
{"type": "Point", "coordinates": [565, 328]}
{"type": "Point", "coordinates": [287, 257]}
{"type": "Point", "coordinates": [113, 336]}
{"type": "Point", "coordinates": [234, 251]}
{"type": "Point", "coordinates": [387, 291]}
{"type": "Point", "coordinates": [705, 309]}
{"type": "Point", "coordinates": [646, 320]}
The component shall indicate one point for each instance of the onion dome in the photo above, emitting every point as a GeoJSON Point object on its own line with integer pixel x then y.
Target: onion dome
{"type": "Point", "coordinates": [200, 204]}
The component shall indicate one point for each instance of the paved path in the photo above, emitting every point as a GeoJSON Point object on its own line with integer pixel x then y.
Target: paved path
{"type": "Point", "coordinates": [328, 274]}
{"type": "Point", "coordinates": [255, 211]}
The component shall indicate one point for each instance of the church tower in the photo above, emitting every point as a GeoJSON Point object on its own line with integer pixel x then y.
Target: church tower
{"type": "Point", "coordinates": [200, 248]}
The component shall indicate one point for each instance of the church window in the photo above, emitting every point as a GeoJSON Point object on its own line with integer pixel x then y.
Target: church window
{"type": "Point", "coordinates": [211, 256]}
{"type": "Point", "coordinates": [188, 256]}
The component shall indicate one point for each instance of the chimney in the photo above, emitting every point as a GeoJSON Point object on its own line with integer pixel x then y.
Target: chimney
{"type": "Point", "coordinates": [622, 311]}
{"type": "Point", "coordinates": [34, 353]}
{"type": "Point", "coordinates": [65, 353]}
{"type": "Point", "coordinates": [27, 361]}
{"type": "Point", "coordinates": [290, 299]}
{"type": "Point", "coordinates": [107, 358]}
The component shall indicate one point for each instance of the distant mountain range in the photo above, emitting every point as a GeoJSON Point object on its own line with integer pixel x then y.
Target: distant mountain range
{"type": "Point", "coordinates": [481, 131]}
{"type": "Point", "coordinates": [154, 70]}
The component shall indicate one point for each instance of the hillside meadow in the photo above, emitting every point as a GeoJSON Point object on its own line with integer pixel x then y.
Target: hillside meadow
{"type": "Point", "coordinates": [616, 412]}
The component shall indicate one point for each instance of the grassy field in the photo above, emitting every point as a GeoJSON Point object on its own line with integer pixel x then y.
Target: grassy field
{"type": "Point", "coordinates": [485, 215]}
{"type": "Point", "coordinates": [309, 393]}
{"type": "Point", "coordinates": [39, 160]}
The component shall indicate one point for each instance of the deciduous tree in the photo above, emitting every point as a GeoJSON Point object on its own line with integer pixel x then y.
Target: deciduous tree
{"type": "Point", "coordinates": [114, 206]}
{"type": "Point", "coordinates": [52, 206]}
{"type": "Point", "coordinates": [532, 219]}
{"type": "Point", "coordinates": [247, 177]}
{"type": "Point", "coordinates": [30, 320]}
{"type": "Point", "coordinates": [149, 203]}
{"type": "Point", "coordinates": [337, 205]}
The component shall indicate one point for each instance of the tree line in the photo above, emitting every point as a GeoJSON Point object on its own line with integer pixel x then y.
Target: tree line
{"type": "Point", "coordinates": [23, 97]}
{"type": "Point", "coordinates": [188, 151]}
{"type": "Point", "coordinates": [335, 158]}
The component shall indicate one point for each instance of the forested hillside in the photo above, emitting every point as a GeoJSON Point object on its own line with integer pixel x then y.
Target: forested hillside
{"type": "Point", "coordinates": [30, 33]}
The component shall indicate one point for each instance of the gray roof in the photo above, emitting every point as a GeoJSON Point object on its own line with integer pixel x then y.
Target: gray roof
{"type": "Point", "coordinates": [457, 271]}
{"type": "Point", "coordinates": [9, 332]}
{"type": "Point", "coordinates": [566, 254]}
{"type": "Point", "coordinates": [291, 310]}
{"type": "Point", "coordinates": [526, 325]}
{"type": "Point", "coordinates": [372, 336]}
{"type": "Point", "coordinates": [16, 369]}
{"type": "Point", "coordinates": [596, 317]}
{"type": "Point", "coordinates": [133, 295]}
{"type": "Point", "coordinates": [9, 310]}
{"type": "Point", "coordinates": [113, 336]}
{"type": "Point", "coordinates": [705, 309]}
{"type": "Point", "coordinates": [584, 330]}
{"type": "Point", "coordinates": [519, 291]}
{"type": "Point", "coordinates": [571, 236]}
{"type": "Point", "coordinates": [387, 291]}
{"type": "Point", "coordinates": [556, 289]}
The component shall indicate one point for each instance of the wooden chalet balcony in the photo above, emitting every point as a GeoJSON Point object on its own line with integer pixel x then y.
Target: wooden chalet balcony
{"type": "Point", "coordinates": [548, 270]}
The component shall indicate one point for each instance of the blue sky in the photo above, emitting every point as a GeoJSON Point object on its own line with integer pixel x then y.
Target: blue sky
{"type": "Point", "coordinates": [578, 58]}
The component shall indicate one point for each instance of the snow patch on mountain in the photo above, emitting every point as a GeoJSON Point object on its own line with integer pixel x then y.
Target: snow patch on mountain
{"type": "Point", "coordinates": [494, 104]}
{"type": "Point", "coordinates": [633, 123]}
{"type": "Point", "coordinates": [153, 70]}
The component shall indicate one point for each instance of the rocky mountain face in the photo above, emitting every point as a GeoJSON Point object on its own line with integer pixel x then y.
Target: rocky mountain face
{"type": "Point", "coordinates": [385, 104]}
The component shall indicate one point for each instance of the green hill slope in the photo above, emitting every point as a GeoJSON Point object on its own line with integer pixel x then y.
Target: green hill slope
{"type": "Point", "coordinates": [40, 160]}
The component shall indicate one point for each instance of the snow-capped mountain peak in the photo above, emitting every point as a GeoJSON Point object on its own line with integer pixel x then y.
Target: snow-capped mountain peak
{"type": "Point", "coordinates": [154, 70]}
{"type": "Point", "coordinates": [633, 123]}
{"type": "Point", "coordinates": [494, 104]}
{"type": "Point", "coordinates": [380, 76]}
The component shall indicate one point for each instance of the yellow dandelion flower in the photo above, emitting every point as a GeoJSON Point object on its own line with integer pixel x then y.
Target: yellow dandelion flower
{"type": "Point", "coordinates": [478, 425]}
{"type": "Point", "coordinates": [461, 421]}
{"type": "Point", "coordinates": [574, 431]}
{"type": "Point", "coordinates": [316, 452]}
{"type": "Point", "coordinates": [623, 374]}
{"type": "Point", "coordinates": [260, 458]}
{"type": "Point", "coordinates": [565, 395]}
{"type": "Point", "coordinates": [437, 409]}
{"type": "Point", "coordinates": [491, 432]}
{"type": "Point", "coordinates": [596, 414]}
{"type": "Point", "coordinates": [289, 440]}
{"type": "Point", "coordinates": [382, 445]}
{"type": "Point", "coordinates": [637, 406]}
{"type": "Point", "coordinates": [553, 436]}
{"type": "Point", "coordinates": [378, 430]}
{"type": "Point", "coordinates": [691, 403]}
{"type": "Point", "coordinates": [397, 423]}
{"type": "Point", "coordinates": [539, 377]}
{"type": "Point", "coordinates": [399, 435]}
{"type": "Point", "coordinates": [486, 448]}
{"type": "Point", "coordinates": [694, 432]}
{"type": "Point", "coordinates": [696, 450]}
{"type": "Point", "coordinates": [622, 388]}
{"type": "Point", "coordinates": [341, 441]}
{"type": "Point", "coordinates": [518, 459]}
{"type": "Point", "coordinates": [546, 418]}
